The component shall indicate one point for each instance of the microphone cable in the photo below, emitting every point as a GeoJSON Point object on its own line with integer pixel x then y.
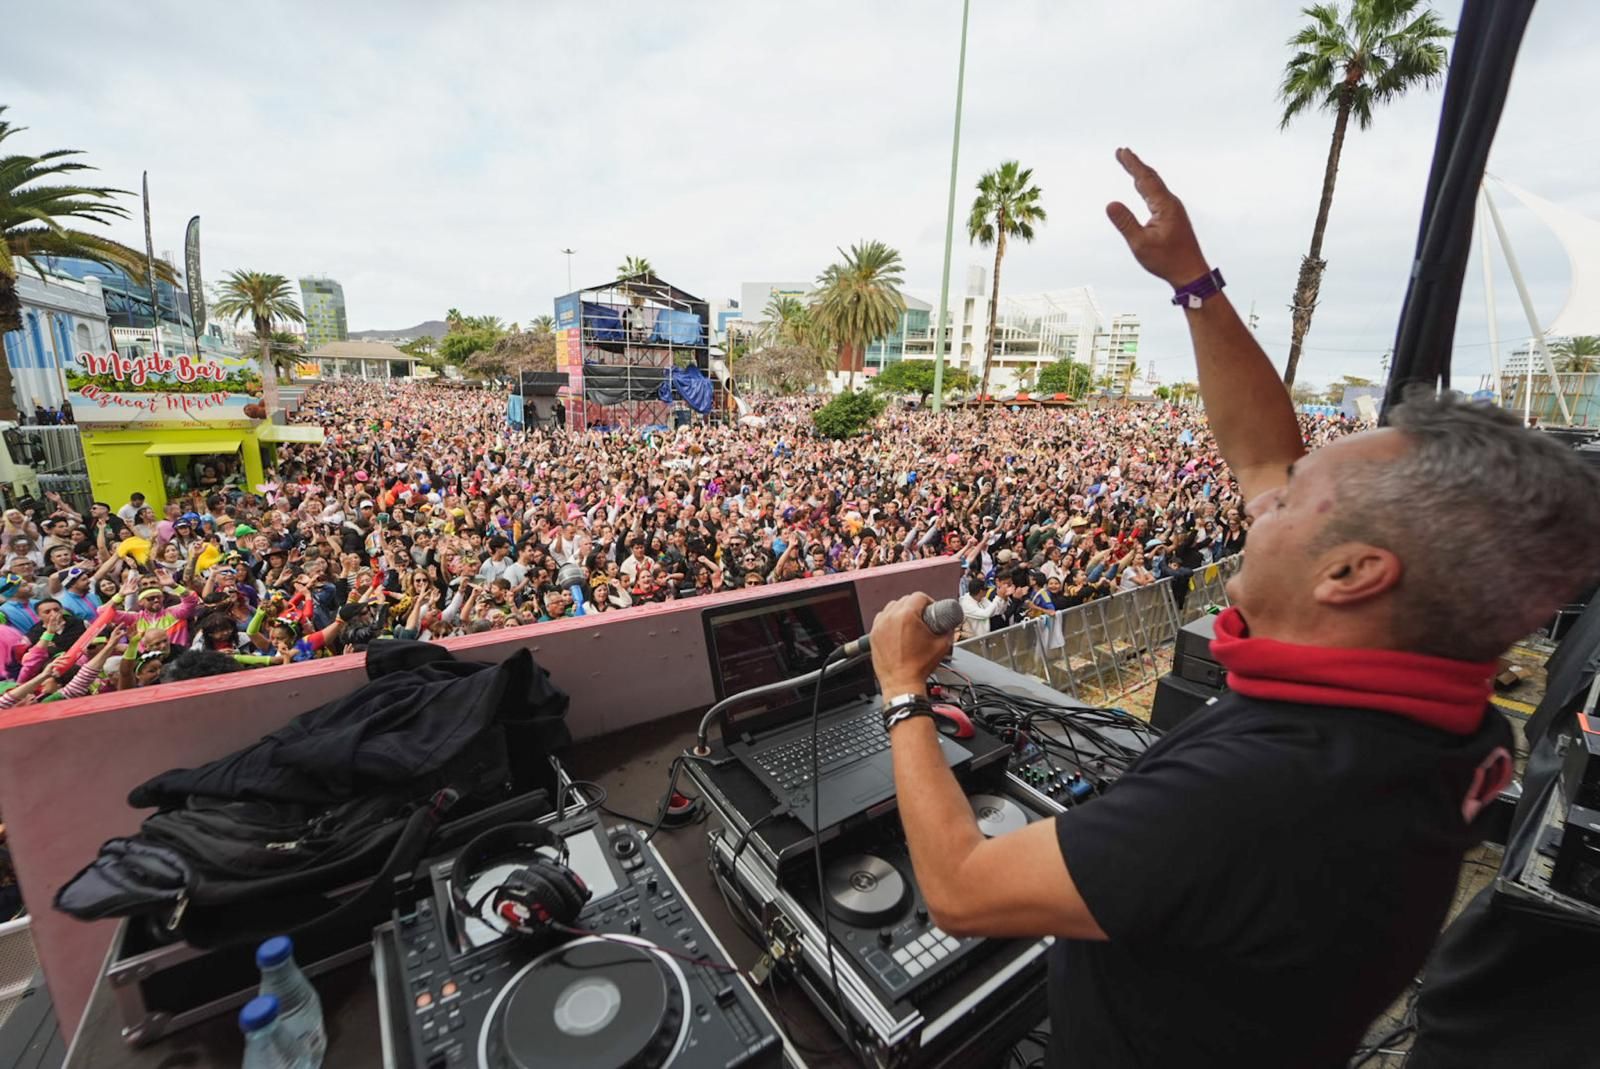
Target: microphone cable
{"type": "Point", "coordinates": [816, 851]}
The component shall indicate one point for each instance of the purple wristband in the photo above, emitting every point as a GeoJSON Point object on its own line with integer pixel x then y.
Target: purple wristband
{"type": "Point", "coordinates": [1195, 293]}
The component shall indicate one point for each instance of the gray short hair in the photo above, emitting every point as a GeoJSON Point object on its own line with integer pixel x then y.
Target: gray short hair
{"type": "Point", "coordinates": [1497, 526]}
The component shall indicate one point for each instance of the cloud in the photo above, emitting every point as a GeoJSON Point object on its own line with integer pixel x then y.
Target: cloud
{"type": "Point", "coordinates": [431, 156]}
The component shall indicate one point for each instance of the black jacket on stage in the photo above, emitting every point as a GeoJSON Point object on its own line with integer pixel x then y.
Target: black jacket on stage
{"type": "Point", "coordinates": [349, 791]}
{"type": "Point", "coordinates": [421, 709]}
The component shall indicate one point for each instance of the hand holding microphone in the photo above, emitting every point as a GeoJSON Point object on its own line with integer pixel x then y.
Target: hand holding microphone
{"type": "Point", "coordinates": [909, 638]}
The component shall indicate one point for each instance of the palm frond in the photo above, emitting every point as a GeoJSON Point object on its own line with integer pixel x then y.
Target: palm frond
{"type": "Point", "coordinates": [1005, 193]}
{"type": "Point", "coordinates": [1361, 57]}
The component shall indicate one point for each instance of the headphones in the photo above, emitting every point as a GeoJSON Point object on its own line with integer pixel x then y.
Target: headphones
{"type": "Point", "coordinates": [538, 894]}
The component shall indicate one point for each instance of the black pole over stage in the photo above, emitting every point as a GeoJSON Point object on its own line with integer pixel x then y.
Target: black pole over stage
{"type": "Point", "coordinates": [1485, 53]}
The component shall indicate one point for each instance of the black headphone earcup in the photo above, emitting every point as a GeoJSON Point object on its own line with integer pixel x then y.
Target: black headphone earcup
{"type": "Point", "coordinates": [568, 891]}
{"type": "Point", "coordinates": [551, 893]}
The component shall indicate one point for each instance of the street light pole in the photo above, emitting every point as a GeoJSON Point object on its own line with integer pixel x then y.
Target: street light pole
{"type": "Point", "coordinates": [950, 221]}
{"type": "Point", "coordinates": [568, 254]}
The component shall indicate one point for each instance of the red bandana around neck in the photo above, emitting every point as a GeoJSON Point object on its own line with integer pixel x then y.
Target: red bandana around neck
{"type": "Point", "coordinates": [1435, 691]}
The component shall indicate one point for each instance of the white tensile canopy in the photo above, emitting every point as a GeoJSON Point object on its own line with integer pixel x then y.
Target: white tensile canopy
{"type": "Point", "coordinates": [1580, 238]}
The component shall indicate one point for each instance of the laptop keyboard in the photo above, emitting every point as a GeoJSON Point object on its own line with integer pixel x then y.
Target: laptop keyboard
{"type": "Point", "coordinates": [839, 744]}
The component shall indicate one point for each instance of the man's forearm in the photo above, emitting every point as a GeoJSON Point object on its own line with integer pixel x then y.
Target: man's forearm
{"type": "Point", "coordinates": [1246, 403]}
{"type": "Point", "coordinates": [939, 826]}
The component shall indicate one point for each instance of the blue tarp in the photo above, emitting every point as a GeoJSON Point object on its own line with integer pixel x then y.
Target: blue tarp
{"type": "Point", "coordinates": [689, 384]}
{"type": "Point", "coordinates": [602, 323]}
{"type": "Point", "coordinates": [677, 328]}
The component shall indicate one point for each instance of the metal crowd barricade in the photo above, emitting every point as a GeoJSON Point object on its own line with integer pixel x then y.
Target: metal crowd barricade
{"type": "Point", "coordinates": [1208, 587]}
{"type": "Point", "coordinates": [1102, 649]}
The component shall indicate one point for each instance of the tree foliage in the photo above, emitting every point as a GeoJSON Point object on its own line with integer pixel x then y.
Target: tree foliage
{"type": "Point", "coordinates": [40, 204]}
{"type": "Point", "coordinates": [781, 369]}
{"type": "Point", "coordinates": [1065, 376]}
{"type": "Point", "coordinates": [515, 353]}
{"type": "Point", "coordinates": [423, 348]}
{"type": "Point", "coordinates": [1362, 57]}
{"type": "Point", "coordinates": [1304, 393]}
{"type": "Point", "coordinates": [261, 297]}
{"type": "Point", "coordinates": [1007, 206]}
{"type": "Point", "coordinates": [916, 376]}
{"type": "Point", "coordinates": [1580, 353]}
{"type": "Point", "coordinates": [1349, 62]}
{"type": "Point", "coordinates": [467, 335]}
{"type": "Point", "coordinates": [634, 265]}
{"type": "Point", "coordinates": [848, 414]}
{"type": "Point", "coordinates": [858, 300]}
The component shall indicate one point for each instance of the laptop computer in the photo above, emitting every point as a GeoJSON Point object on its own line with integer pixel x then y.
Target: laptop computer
{"type": "Point", "coordinates": [752, 643]}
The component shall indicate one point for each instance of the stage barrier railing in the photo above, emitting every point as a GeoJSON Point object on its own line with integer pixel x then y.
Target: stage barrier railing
{"type": "Point", "coordinates": [1102, 649]}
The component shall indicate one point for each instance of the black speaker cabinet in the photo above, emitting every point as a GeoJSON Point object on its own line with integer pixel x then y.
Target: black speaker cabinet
{"type": "Point", "coordinates": [1177, 699]}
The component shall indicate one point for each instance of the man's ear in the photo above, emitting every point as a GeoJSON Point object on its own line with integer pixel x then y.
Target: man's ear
{"type": "Point", "coordinates": [1354, 572]}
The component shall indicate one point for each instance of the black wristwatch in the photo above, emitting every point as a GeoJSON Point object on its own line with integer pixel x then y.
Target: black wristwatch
{"type": "Point", "coordinates": [903, 707]}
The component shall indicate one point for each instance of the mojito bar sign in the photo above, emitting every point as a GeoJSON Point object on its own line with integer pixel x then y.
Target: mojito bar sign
{"type": "Point", "coordinates": [163, 388]}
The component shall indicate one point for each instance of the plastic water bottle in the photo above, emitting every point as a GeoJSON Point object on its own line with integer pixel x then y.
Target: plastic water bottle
{"type": "Point", "coordinates": [300, 1010]}
{"type": "Point", "coordinates": [266, 1046]}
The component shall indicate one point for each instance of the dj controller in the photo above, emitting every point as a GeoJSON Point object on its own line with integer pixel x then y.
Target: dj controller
{"type": "Point", "coordinates": [899, 989]}
{"type": "Point", "coordinates": [876, 912]}
{"type": "Point", "coordinates": [645, 983]}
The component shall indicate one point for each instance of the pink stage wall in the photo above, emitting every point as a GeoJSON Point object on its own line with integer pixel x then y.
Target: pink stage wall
{"type": "Point", "coordinates": [65, 772]}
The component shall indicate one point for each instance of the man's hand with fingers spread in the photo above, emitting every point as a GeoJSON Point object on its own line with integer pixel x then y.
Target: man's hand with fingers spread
{"type": "Point", "coordinates": [1165, 246]}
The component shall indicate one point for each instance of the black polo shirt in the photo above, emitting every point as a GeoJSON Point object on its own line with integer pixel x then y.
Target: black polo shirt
{"type": "Point", "coordinates": [1271, 876]}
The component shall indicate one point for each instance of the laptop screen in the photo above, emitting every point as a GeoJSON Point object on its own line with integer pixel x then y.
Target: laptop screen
{"type": "Point", "coordinates": [773, 639]}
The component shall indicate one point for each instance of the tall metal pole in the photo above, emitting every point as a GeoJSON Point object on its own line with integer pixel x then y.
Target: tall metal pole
{"type": "Point", "coordinates": [1527, 389]}
{"type": "Point", "coordinates": [1527, 309]}
{"type": "Point", "coordinates": [568, 254]}
{"type": "Point", "coordinates": [150, 270]}
{"type": "Point", "coordinates": [950, 221]}
{"type": "Point", "coordinates": [1488, 294]}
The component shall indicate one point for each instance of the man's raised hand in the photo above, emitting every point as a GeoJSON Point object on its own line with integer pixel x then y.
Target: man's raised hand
{"type": "Point", "coordinates": [1165, 246]}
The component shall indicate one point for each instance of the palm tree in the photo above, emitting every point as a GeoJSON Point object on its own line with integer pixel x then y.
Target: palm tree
{"type": "Point", "coordinates": [1007, 206]}
{"type": "Point", "coordinates": [858, 301]}
{"type": "Point", "coordinates": [1129, 373]}
{"type": "Point", "coordinates": [288, 350]}
{"type": "Point", "coordinates": [262, 297]}
{"type": "Point", "coordinates": [1348, 63]}
{"type": "Point", "coordinates": [542, 325]}
{"type": "Point", "coordinates": [1578, 353]}
{"type": "Point", "coordinates": [787, 321]}
{"type": "Point", "coordinates": [634, 265]}
{"type": "Point", "coordinates": [37, 210]}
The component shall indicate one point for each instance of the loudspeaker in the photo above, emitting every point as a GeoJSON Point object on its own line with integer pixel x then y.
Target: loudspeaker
{"type": "Point", "coordinates": [1177, 699]}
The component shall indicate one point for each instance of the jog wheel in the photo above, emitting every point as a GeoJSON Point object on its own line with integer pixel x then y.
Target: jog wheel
{"type": "Point", "coordinates": [997, 815]}
{"type": "Point", "coordinates": [865, 890]}
{"type": "Point", "coordinates": [590, 1004]}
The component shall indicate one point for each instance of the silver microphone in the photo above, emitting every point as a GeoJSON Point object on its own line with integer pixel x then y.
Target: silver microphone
{"type": "Point", "coordinates": [940, 617]}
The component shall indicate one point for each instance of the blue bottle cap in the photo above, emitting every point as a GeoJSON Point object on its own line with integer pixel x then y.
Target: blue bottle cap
{"type": "Point", "coordinates": [258, 1013]}
{"type": "Point", "coordinates": [274, 951]}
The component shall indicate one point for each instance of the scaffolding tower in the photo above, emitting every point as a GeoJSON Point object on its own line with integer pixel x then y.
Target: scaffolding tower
{"type": "Point", "coordinates": [619, 340]}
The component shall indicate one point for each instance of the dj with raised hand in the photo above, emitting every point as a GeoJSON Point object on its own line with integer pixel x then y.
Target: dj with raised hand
{"type": "Point", "coordinates": [1269, 876]}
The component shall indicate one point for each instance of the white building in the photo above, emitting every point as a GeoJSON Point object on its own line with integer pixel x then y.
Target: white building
{"type": "Point", "coordinates": [755, 296]}
{"type": "Point", "coordinates": [1032, 331]}
{"type": "Point", "coordinates": [61, 317]}
{"type": "Point", "coordinates": [1116, 348]}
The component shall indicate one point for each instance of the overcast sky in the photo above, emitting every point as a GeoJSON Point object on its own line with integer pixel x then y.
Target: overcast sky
{"type": "Point", "coordinates": [434, 155]}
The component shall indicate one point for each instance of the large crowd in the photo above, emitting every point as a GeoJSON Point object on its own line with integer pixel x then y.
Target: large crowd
{"type": "Point", "coordinates": [423, 514]}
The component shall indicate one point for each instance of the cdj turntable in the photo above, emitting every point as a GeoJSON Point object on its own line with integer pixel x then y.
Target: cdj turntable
{"type": "Point", "coordinates": [649, 986]}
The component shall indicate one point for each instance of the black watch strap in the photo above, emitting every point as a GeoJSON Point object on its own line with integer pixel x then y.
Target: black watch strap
{"type": "Point", "coordinates": [904, 707]}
